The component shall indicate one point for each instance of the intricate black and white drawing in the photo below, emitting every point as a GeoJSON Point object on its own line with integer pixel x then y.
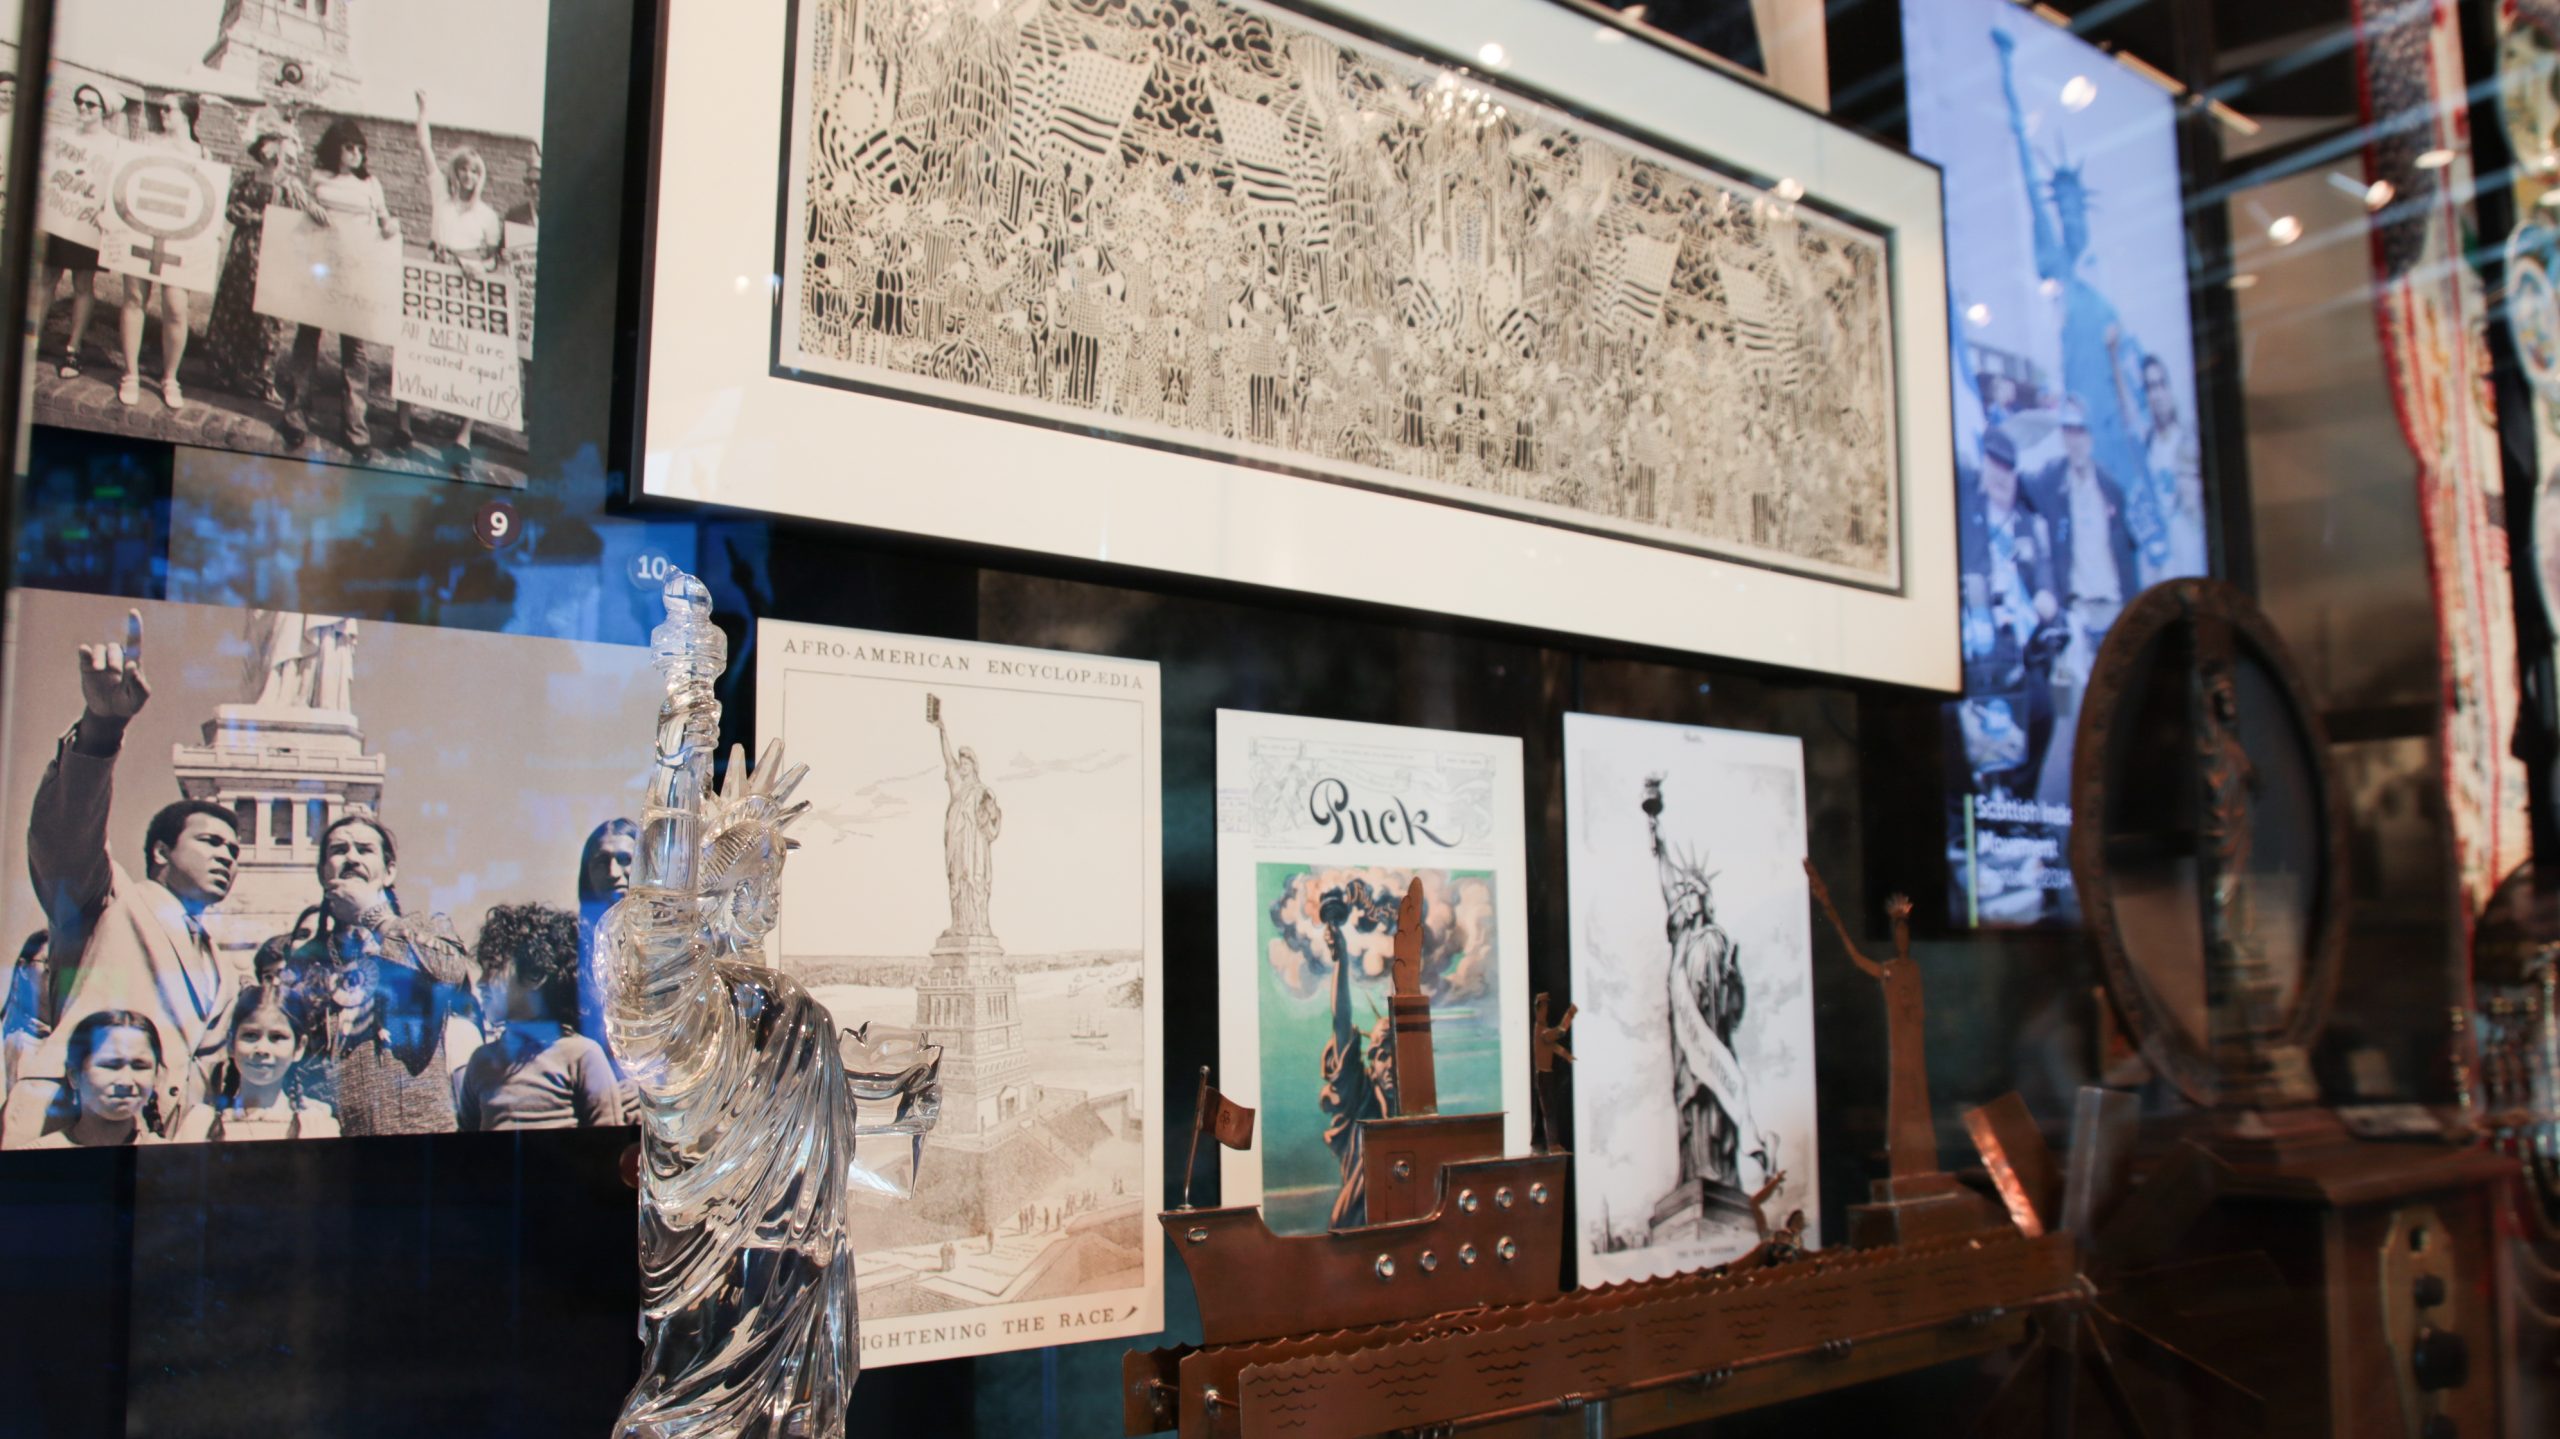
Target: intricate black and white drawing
{"type": "Point", "coordinates": [1693, 1086]}
{"type": "Point", "coordinates": [1228, 229]}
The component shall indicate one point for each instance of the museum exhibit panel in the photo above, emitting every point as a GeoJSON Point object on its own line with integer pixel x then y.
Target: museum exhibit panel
{"type": "Point", "coordinates": [1280, 717]}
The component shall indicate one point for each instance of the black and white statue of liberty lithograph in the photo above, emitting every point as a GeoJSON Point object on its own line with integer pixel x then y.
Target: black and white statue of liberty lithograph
{"type": "Point", "coordinates": [1692, 967]}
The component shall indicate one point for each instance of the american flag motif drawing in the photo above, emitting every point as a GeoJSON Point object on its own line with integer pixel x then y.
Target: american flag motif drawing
{"type": "Point", "coordinates": [1226, 227]}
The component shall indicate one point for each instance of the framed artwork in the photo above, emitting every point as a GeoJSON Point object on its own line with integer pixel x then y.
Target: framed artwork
{"type": "Point", "coordinates": [1322, 824]}
{"type": "Point", "coordinates": [1484, 304]}
{"type": "Point", "coordinates": [1693, 971]}
{"type": "Point", "coordinates": [281, 230]}
{"type": "Point", "coordinates": [304, 882]}
{"type": "Point", "coordinates": [982, 862]}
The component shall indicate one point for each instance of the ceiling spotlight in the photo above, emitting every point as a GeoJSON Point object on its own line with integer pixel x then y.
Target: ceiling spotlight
{"type": "Point", "coordinates": [1493, 55]}
{"type": "Point", "coordinates": [2285, 230]}
{"type": "Point", "coordinates": [1790, 189]}
{"type": "Point", "coordinates": [1978, 314]}
{"type": "Point", "coordinates": [2435, 159]}
{"type": "Point", "coordinates": [2077, 92]}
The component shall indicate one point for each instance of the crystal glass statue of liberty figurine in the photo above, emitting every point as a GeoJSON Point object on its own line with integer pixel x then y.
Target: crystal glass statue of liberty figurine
{"type": "Point", "coordinates": [748, 1096]}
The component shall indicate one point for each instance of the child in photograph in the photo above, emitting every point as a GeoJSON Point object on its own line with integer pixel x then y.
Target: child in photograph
{"type": "Point", "coordinates": [270, 1033]}
{"type": "Point", "coordinates": [273, 965]}
{"type": "Point", "coordinates": [540, 1072]}
{"type": "Point", "coordinates": [113, 1065]}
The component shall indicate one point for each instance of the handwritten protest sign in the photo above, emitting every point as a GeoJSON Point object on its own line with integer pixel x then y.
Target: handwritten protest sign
{"type": "Point", "coordinates": [520, 247]}
{"type": "Point", "coordinates": [344, 278]}
{"type": "Point", "coordinates": [76, 169]}
{"type": "Point", "coordinates": [163, 218]}
{"type": "Point", "coordinates": [458, 343]}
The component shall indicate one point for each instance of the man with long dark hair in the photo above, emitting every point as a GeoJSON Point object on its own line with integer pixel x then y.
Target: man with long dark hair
{"type": "Point", "coordinates": [604, 876]}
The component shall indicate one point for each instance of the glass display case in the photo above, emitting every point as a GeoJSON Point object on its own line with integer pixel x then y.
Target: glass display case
{"type": "Point", "coordinates": [1816, 706]}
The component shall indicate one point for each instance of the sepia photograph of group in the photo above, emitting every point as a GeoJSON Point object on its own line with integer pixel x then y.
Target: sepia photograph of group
{"type": "Point", "coordinates": [264, 877]}
{"type": "Point", "coordinates": [294, 227]}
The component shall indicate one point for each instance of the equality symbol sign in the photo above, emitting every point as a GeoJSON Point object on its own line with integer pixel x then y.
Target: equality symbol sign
{"type": "Point", "coordinates": [161, 219]}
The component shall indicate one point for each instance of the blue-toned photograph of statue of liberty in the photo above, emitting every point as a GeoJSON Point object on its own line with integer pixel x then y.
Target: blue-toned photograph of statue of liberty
{"type": "Point", "coordinates": [2080, 479]}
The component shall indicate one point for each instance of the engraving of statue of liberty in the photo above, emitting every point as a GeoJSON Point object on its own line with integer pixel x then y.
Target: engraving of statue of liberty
{"type": "Point", "coordinates": [1711, 1094]}
{"type": "Point", "coordinates": [969, 829]}
{"type": "Point", "coordinates": [748, 1093]}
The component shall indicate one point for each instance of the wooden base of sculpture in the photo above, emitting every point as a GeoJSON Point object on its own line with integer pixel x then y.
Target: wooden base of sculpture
{"type": "Point", "coordinates": [2361, 1345]}
{"type": "Point", "coordinates": [1824, 1321]}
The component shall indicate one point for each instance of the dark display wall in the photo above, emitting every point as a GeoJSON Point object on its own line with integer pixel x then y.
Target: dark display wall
{"type": "Point", "coordinates": [484, 1284]}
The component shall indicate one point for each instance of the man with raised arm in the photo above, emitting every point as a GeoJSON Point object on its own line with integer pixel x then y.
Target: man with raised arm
{"type": "Point", "coordinates": [118, 942]}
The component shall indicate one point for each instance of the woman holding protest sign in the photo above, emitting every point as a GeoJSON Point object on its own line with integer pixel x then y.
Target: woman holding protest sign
{"type": "Point", "coordinates": [468, 232]}
{"type": "Point", "coordinates": [243, 341]}
{"type": "Point", "coordinates": [81, 161]}
{"type": "Point", "coordinates": [342, 192]}
{"type": "Point", "coordinates": [170, 124]}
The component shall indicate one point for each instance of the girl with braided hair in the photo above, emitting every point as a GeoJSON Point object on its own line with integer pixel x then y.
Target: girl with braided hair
{"type": "Point", "coordinates": [263, 1097]}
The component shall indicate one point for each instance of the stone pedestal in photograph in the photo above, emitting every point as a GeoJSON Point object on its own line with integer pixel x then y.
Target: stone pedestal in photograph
{"type": "Point", "coordinates": [286, 772]}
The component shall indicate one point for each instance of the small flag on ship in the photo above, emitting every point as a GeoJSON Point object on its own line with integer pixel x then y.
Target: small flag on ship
{"type": "Point", "coordinates": [1230, 1123]}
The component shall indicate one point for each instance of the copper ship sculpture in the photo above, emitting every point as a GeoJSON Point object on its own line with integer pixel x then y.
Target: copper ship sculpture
{"type": "Point", "coordinates": [1437, 1305]}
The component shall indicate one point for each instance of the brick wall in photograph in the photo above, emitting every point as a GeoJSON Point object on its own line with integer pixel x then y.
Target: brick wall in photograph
{"type": "Point", "coordinates": [391, 146]}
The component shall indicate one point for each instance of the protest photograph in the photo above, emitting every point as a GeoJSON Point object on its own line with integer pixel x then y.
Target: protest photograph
{"type": "Point", "coordinates": [278, 875]}
{"type": "Point", "coordinates": [296, 228]}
